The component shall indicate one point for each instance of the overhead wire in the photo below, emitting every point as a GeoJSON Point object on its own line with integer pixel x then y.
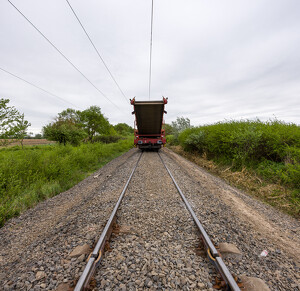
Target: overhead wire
{"type": "Point", "coordinates": [150, 70]}
{"type": "Point", "coordinates": [97, 51]}
{"type": "Point", "coordinates": [54, 95]}
{"type": "Point", "coordinates": [64, 56]}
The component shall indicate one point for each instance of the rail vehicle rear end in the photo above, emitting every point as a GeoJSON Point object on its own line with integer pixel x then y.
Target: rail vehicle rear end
{"type": "Point", "coordinates": [148, 131]}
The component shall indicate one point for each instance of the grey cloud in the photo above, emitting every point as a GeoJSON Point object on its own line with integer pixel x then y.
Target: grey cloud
{"type": "Point", "coordinates": [214, 60]}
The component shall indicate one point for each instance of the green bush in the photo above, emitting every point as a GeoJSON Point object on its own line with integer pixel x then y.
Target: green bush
{"type": "Point", "coordinates": [107, 138]}
{"type": "Point", "coordinates": [123, 129]}
{"type": "Point", "coordinates": [39, 172]}
{"type": "Point", "coordinates": [171, 139]}
{"type": "Point", "coordinates": [64, 132]}
{"type": "Point", "coordinates": [272, 148]}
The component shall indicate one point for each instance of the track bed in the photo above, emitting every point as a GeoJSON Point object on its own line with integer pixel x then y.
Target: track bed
{"type": "Point", "coordinates": [155, 242]}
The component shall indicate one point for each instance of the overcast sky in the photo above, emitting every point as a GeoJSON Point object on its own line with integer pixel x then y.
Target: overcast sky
{"type": "Point", "coordinates": [214, 60]}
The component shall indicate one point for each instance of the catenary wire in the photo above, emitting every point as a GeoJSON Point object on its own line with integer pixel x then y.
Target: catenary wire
{"type": "Point", "coordinates": [151, 50]}
{"type": "Point", "coordinates": [64, 56]}
{"type": "Point", "coordinates": [97, 51]}
{"type": "Point", "coordinates": [62, 99]}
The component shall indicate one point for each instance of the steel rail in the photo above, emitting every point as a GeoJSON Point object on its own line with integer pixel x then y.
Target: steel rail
{"type": "Point", "coordinates": [96, 255]}
{"type": "Point", "coordinates": [211, 250]}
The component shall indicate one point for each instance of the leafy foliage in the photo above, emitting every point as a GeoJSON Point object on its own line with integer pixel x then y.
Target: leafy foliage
{"type": "Point", "coordinates": [38, 136]}
{"type": "Point", "coordinates": [39, 172]}
{"type": "Point", "coordinates": [93, 121]}
{"type": "Point", "coordinates": [180, 124]}
{"type": "Point", "coordinates": [272, 148]}
{"type": "Point", "coordinates": [70, 115]}
{"type": "Point", "coordinates": [21, 129]}
{"type": "Point", "coordinates": [73, 126]}
{"type": "Point", "coordinates": [12, 124]}
{"type": "Point", "coordinates": [107, 138]}
{"type": "Point", "coordinates": [170, 139]}
{"type": "Point", "coordinates": [123, 129]}
{"type": "Point", "coordinates": [176, 128]}
{"type": "Point", "coordinates": [64, 132]}
{"type": "Point", "coordinates": [168, 129]}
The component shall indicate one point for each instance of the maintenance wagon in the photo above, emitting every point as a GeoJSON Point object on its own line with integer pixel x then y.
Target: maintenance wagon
{"type": "Point", "coordinates": [148, 131]}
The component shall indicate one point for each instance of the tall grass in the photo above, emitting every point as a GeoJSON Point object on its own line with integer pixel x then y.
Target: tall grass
{"type": "Point", "coordinates": [39, 172]}
{"type": "Point", "coordinates": [271, 148]}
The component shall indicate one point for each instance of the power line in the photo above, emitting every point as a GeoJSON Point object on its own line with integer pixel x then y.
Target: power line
{"type": "Point", "coordinates": [101, 58]}
{"type": "Point", "coordinates": [151, 50]}
{"type": "Point", "coordinates": [62, 99]}
{"type": "Point", "coordinates": [63, 55]}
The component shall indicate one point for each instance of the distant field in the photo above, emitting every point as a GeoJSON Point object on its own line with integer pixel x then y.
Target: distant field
{"type": "Point", "coordinates": [33, 141]}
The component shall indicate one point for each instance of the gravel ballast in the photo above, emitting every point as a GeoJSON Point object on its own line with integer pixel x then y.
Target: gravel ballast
{"type": "Point", "coordinates": [36, 247]}
{"type": "Point", "coordinates": [155, 245]}
{"type": "Point", "coordinates": [231, 216]}
{"type": "Point", "coordinates": [158, 248]}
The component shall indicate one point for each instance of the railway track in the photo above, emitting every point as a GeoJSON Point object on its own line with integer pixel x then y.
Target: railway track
{"type": "Point", "coordinates": [155, 243]}
{"type": "Point", "coordinates": [95, 258]}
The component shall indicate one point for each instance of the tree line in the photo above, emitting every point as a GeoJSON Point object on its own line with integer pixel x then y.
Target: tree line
{"type": "Point", "coordinates": [90, 125]}
{"type": "Point", "coordinates": [73, 126]}
{"type": "Point", "coordinates": [69, 126]}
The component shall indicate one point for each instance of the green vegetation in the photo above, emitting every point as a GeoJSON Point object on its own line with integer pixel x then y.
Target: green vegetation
{"type": "Point", "coordinates": [271, 150]}
{"type": "Point", "coordinates": [39, 172]}
{"type": "Point", "coordinates": [177, 126]}
{"type": "Point", "coordinates": [123, 129]}
{"type": "Point", "coordinates": [64, 132]}
{"type": "Point", "coordinates": [86, 141]}
{"type": "Point", "coordinates": [13, 126]}
{"type": "Point", "coordinates": [93, 122]}
{"type": "Point", "coordinates": [74, 126]}
{"type": "Point", "coordinates": [37, 136]}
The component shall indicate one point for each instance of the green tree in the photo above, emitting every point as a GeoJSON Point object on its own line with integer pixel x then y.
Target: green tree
{"type": "Point", "coordinates": [38, 136]}
{"type": "Point", "coordinates": [21, 128]}
{"type": "Point", "coordinates": [70, 115]}
{"type": "Point", "coordinates": [64, 131]}
{"type": "Point", "coordinates": [67, 128]}
{"type": "Point", "coordinates": [94, 122]}
{"type": "Point", "coordinates": [72, 126]}
{"type": "Point", "coordinates": [168, 129]}
{"type": "Point", "coordinates": [123, 129]}
{"type": "Point", "coordinates": [12, 124]}
{"type": "Point", "coordinates": [181, 124]}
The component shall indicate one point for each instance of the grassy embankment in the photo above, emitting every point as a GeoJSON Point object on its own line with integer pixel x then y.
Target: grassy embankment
{"type": "Point", "coordinates": [38, 172]}
{"type": "Point", "coordinates": [261, 158]}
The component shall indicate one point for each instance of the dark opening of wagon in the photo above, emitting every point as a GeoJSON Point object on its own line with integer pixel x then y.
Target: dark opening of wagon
{"type": "Point", "coordinates": [149, 118]}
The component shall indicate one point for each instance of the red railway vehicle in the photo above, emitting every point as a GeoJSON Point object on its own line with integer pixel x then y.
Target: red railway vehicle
{"type": "Point", "coordinates": [148, 132]}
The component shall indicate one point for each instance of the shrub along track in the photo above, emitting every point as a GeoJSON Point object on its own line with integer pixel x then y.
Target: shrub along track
{"type": "Point", "coordinates": [146, 253]}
